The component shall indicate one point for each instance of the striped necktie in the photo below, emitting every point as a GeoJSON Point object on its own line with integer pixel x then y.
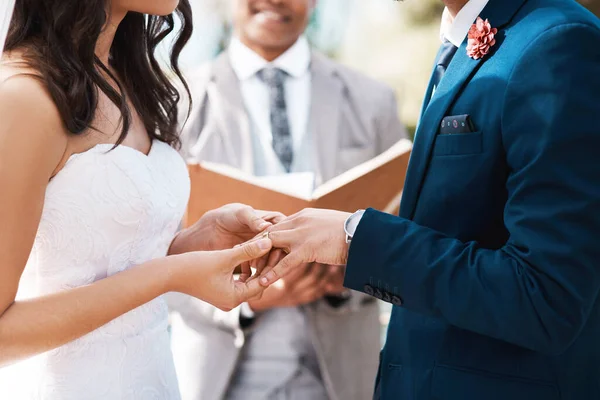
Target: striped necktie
{"type": "Point", "coordinates": [280, 127]}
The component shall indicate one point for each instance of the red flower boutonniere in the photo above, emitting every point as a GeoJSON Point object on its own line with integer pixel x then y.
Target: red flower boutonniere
{"type": "Point", "coordinates": [481, 39]}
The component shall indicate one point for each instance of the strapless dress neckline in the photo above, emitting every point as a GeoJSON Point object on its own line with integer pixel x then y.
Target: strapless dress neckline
{"type": "Point", "coordinates": [108, 209]}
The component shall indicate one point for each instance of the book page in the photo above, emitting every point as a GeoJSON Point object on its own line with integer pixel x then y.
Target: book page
{"type": "Point", "coordinates": [377, 183]}
{"type": "Point", "coordinates": [403, 147]}
{"type": "Point", "coordinates": [298, 184]}
{"type": "Point", "coordinates": [277, 183]}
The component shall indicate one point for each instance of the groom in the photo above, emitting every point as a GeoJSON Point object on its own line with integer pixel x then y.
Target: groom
{"type": "Point", "coordinates": [494, 262]}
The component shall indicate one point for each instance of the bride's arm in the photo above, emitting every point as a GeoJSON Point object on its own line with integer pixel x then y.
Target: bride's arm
{"type": "Point", "coordinates": [32, 143]}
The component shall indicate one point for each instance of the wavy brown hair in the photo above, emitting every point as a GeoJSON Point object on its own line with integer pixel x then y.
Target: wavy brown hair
{"type": "Point", "coordinates": [59, 38]}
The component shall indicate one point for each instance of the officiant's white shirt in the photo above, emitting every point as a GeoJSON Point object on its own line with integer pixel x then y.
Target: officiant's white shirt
{"type": "Point", "coordinates": [255, 94]}
{"type": "Point", "coordinates": [456, 29]}
{"type": "Point", "coordinates": [287, 361]}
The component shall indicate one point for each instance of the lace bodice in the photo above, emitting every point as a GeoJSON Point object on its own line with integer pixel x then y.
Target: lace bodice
{"type": "Point", "coordinates": [105, 212]}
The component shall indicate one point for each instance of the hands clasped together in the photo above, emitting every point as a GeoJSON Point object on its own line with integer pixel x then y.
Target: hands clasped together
{"type": "Point", "coordinates": [236, 254]}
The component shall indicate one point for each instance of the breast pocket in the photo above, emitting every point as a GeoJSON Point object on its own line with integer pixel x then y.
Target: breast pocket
{"type": "Point", "coordinates": [450, 383]}
{"type": "Point", "coordinates": [458, 144]}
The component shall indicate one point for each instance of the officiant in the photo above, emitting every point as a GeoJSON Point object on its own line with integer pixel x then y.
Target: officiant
{"type": "Point", "coordinates": [271, 106]}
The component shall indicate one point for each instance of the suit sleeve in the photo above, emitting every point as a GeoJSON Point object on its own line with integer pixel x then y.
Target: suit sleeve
{"type": "Point", "coordinates": [538, 290]}
{"type": "Point", "coordinates": [389, 129]}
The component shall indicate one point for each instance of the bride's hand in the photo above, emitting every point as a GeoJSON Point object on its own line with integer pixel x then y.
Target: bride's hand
{"type": "Point", "coordinates": [224, 228]}
{"type": "Point", "coordinates": [209, 275]}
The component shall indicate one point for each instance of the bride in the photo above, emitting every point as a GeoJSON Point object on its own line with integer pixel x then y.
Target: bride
{"type": "Point", "coordinates": [92, 193]}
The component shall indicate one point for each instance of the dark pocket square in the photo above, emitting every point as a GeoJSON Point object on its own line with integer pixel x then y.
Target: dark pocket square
{"type": "Point", "coordinates": [456, 124]}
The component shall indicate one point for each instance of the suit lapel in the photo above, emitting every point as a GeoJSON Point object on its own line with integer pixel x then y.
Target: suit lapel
{"type": "Point", "coordinates": [428, 92]}
{"type": "Point", "coordinates": [326, 101]}
{"type": "Point", "coordinates": [460, 70]}
{"type": "Point", "coordinates": [459, 73]}
{"type": "Point", "coordinates": [225, 96]}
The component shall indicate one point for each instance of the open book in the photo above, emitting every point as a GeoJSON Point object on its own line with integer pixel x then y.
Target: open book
{"type": "Point", "coordinates": [377, 183]}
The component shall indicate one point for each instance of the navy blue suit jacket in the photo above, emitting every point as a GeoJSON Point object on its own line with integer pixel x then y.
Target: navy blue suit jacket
{"type": "Point", "coordinates": [494, 261]}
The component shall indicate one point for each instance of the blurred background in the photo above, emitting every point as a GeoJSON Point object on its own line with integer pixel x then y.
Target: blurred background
{"type": "Point", "coordinates": [392, 41]}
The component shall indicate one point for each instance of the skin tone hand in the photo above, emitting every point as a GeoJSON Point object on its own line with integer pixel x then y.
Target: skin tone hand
{"type": "Point", "coordinates": [210, 275]}
{"type": "Point", "coordinates": [224, 228]}
{"type": "Point", "coordinates": [32, 151]}
{"type": "Point", "coordinates": [312, 235]}
{"type": "Point", "coordinates": [304, 285]}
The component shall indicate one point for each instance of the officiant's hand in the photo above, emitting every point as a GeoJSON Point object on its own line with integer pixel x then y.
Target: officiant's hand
{"type": "Point", "coordinates": [224, 228]}
{"type": "Point", "coordinates": [209, 275]}
{"type": "Point", "coordinates": [312, 235]}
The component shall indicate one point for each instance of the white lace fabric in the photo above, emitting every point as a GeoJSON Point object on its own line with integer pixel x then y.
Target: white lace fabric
{"type": "Point", "coordinates": [104, 212]}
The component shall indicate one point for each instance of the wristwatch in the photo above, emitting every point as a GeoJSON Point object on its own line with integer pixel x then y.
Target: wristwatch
{"type": "Point", "coordinates": [351, 224]}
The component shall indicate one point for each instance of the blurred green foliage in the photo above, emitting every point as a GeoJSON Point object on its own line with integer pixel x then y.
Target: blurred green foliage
{"type": "Point", "coordinates": [422, 11]}
{"type": "Point", "coordinates": [425, 11]}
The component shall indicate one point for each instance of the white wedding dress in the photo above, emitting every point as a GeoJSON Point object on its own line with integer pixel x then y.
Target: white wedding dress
{"type": "Point", "coordinates": [105, 211]}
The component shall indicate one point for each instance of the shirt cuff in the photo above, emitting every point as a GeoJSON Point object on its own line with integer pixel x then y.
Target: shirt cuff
{"type": "Point", "coordinates": [353, 222]}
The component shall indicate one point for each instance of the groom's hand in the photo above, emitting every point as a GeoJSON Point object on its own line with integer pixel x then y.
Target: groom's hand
{"type": "Point", "coordinates": [312, 235]}
{"type": "Point", "coordinates": [224, 228]}
{"type": "Point", "coordinates": [306, 284]}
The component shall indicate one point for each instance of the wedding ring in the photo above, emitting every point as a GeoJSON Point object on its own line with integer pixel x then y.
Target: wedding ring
{"type": "Point", "coordinates": [265, 235]}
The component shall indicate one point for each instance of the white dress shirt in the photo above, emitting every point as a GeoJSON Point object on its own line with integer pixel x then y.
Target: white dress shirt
{"type": "Point", "coordinates": [278, 360]}
{"type": "Point", "coordinates": [456, 29]}
{"type": "Point", "coordinates": [255, 93]}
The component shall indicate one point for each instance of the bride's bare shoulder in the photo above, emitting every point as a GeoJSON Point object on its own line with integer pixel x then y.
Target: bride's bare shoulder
{"type": "Point", "coordinates": [27, 109]}
{"type": "Point", "coordinates": [23, 86]}
{"type": "Point", "coordinates": [13, 64]}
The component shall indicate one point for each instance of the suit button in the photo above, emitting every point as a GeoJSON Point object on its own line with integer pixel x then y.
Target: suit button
{"type": "Point", "coordinates": [369, 290]}
{"type": "Point", "coordinates": [378, 294]}
{"type": "Point", "coordinates": [386, 297]}
{"type": "Point", "coordinates": [397, 301]}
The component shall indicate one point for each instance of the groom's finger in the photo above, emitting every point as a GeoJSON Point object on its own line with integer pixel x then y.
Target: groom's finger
{"type": "Point", "coordinates": [275, 257]}
{"type": "Point", "coordinates": [246, 271]}
{"type": "Point", "coordinates": [284, 267]}
{"type": "Point", "coordinates": [245, 291]}
{"type": "Point", "coordinates": [259, 263]}
{"type": "Point", "coordinates": [271, 259]}
{"type": "Point", "coordinates": [283, 239]}
{"type": "Point", "coordinates": [250, 251]}
{"type": "Point", "coordinates": [287, 224]}
{"type": "Point", "coordinates": [273, 217]}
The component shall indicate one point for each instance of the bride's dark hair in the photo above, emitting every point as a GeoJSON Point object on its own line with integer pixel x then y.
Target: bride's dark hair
{"type": "Point", "coordinates": [59, 38]}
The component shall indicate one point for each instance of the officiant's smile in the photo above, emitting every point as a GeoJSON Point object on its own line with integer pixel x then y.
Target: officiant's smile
{"type": "Point", "coordinates": [272, 23]}
{"type": "Point", "coordinates": [239, 220]}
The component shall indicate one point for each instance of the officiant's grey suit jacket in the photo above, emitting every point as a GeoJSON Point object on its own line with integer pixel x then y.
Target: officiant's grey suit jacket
{"type": "Point", "coordinates": [352, 119]}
